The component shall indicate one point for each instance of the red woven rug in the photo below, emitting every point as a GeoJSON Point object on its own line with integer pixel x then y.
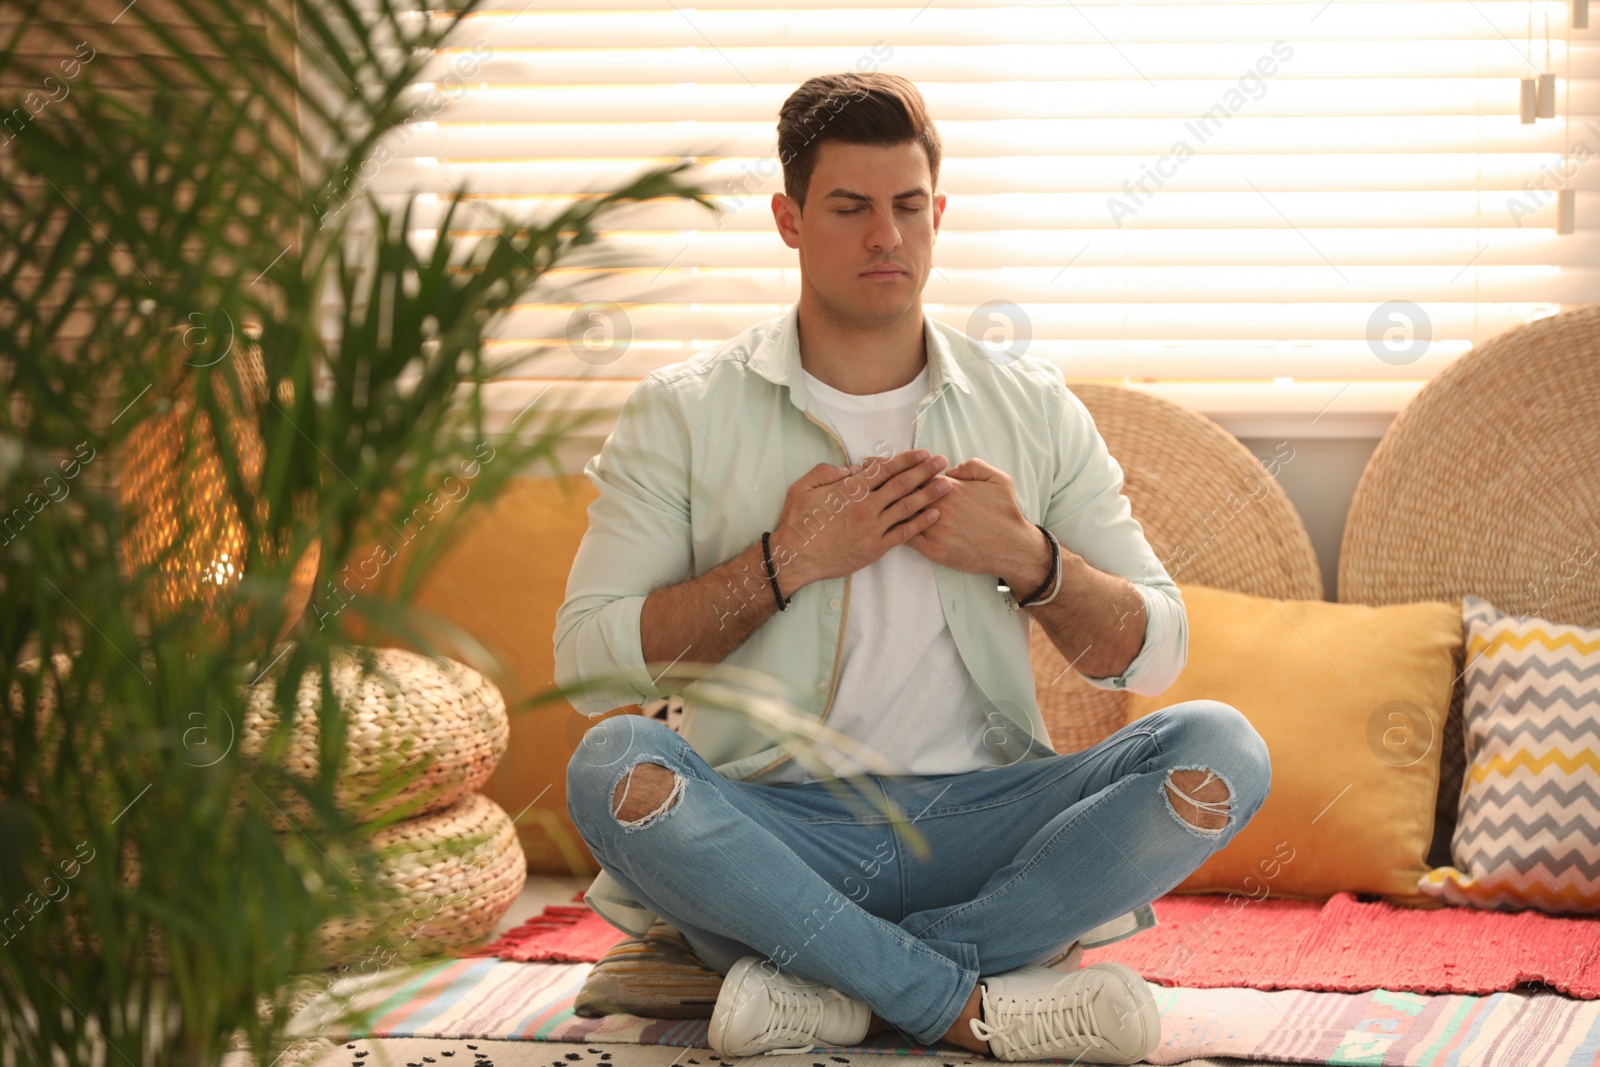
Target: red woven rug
{"type": "Point", "coordinates": [1348, 946]}
{"type": "Point", "coordinates": [565, 933]}
{"type": "Point", "coordinates": [1213, 941]}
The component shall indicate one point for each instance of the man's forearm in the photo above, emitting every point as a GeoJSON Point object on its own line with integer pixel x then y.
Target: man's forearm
{"type": "Point", "coordinates": [704, 619]}
{"type": "Point", "coordinates": [1097, 620]}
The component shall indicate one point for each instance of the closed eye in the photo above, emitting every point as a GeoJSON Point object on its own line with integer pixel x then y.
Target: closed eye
{"type": "Point", "coordinates": [858, 210]}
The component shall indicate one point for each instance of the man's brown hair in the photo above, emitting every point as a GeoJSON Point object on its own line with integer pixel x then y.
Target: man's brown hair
{"type": "Point", "coordinates": [855, 108]}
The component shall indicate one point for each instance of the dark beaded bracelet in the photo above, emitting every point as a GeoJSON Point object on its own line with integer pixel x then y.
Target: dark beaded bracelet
{"type": "Point", "coordinates": [772, 572]}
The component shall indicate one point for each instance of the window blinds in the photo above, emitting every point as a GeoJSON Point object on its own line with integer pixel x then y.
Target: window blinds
{"type": "Point", "coordinates": [1282, 210]}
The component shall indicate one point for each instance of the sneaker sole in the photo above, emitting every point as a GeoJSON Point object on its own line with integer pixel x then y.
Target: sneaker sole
{"type": "Point", "coordinates": [1139, 991]}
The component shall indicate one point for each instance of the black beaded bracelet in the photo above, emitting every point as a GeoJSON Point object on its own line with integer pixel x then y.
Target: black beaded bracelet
{"type": "Point", "coordinates": [772, 572]}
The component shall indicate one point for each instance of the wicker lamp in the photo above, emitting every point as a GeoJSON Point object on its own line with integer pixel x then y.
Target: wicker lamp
{"type": "Point", "coordinates": [173, 487]}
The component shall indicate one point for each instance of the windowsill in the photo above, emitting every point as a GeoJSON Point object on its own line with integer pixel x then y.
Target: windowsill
{"type": "Point", "coordinates": [1297, 410]}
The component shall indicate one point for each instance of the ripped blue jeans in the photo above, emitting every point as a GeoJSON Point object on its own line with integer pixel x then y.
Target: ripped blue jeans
{"type": "Point", "coordinates": [1002, 867]}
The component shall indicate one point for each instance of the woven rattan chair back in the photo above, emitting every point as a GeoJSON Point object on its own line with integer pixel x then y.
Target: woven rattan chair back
{"type": "Point", "coordinates": [1488, 482]}
{"type": "Point", "coordinates": [1213, 513]}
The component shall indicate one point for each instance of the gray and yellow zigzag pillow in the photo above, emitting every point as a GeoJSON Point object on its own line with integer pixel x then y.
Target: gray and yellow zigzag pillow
{"type": "Point", "coordinates": [1528, 835]}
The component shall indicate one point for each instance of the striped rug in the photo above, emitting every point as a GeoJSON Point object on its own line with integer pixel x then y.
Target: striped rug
{"type": "Point", "coordinates": [502, 1000]}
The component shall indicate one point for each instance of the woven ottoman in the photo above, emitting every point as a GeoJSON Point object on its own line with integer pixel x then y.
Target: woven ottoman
{"type": "Point", "coordinates": [455, 873]}
{"type": "Point", "coordinates": [408, 713]}
{"type": "Point", "coordinates": [455, 863]}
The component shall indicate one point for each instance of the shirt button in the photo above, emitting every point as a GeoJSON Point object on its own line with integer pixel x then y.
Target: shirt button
{"type": "Point", "coordinates": [834, 603]}
{"type": "Point", "coordinates": [822, 684]}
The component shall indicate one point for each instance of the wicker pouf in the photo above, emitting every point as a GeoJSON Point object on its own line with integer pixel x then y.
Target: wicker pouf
{"type": "Point", "coordinates": [410, 712]}
{"type": "Point", "coordinates": [458, 865]}
{"type": "Point", "coordinates": [456, 862]}
{"type": "Point", "coordinates": [457, 871]}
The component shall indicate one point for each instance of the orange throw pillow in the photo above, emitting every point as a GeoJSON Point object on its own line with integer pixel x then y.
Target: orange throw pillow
{"type": "Point", "coordinates": [1351, 701]}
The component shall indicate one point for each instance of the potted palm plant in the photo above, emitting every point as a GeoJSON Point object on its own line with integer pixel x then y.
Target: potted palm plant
{"type": "Point", "coordinates": [190, 238]}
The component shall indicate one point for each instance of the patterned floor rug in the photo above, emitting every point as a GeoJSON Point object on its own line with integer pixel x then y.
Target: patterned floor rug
{"type": "Point", "coordinates": [501, 1000]}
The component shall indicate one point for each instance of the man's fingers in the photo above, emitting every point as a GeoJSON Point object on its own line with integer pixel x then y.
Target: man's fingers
{"type": "Point", "coordinates": [915, 525]}
{"type": "Point", "coordinates": [879, 469]}
{"type": "Point", "coordinates": [973, 470]}
{"type": "Point", "coordinates": [876, 470]}
{"type": "Point", "coordinates": [826, 474]}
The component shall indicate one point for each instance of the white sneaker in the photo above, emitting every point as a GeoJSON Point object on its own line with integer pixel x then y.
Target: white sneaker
{"type": "Point", "coordinates": [761, 1012]}
{"type": "Point", "coordinates": [1103, 1013]}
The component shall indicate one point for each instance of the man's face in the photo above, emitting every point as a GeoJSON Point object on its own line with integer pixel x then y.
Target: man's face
{"type": "Point", "coordinates": [866, 234]}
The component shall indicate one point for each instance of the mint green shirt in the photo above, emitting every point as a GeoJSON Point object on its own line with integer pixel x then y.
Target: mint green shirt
{"type": "Point", "coordinates": [698, 466]}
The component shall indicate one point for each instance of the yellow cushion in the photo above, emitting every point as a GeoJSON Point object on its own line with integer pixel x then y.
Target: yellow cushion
{"type": "Point", "coordinates": [1351, 701]}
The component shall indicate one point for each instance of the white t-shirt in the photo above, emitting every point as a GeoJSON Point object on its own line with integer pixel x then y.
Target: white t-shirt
{"type": "Point", "coordinates": [903, 689]}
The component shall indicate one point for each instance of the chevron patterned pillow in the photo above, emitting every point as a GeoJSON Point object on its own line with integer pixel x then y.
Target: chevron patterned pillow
{"type": "Point", "coordinates": [1528, 835]}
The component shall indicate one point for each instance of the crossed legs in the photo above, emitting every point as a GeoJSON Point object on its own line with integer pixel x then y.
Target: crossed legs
{"type": "Point", "coordinates": [742, 869]}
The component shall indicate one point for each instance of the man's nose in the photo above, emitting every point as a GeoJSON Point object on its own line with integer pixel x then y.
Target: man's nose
{"type": "Point", "coordinates": [885, 234]}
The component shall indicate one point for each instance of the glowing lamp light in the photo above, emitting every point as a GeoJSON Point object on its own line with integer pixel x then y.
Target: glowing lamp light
{"type": "Point", "coordinates": [185, 537]}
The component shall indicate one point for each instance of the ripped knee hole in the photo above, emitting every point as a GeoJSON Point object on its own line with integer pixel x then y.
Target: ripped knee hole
{"type": "Point", "coordinates": [1200, 798]}
{"type": "Point", "coordinates": [647, 791]}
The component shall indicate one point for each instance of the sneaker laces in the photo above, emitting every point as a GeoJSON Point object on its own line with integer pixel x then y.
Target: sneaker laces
{"type": "Point", "coordinates": [1040, 1026]}
{"type": "Point", "coordinates": [794, 1011]}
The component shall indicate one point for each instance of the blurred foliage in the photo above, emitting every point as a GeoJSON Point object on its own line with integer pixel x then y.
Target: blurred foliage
{"type": "Point", "coordinates": [189, 229]}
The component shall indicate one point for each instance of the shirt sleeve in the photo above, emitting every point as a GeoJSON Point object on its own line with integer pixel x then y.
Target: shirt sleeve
{"type": "Point", "coordinates": [639, 539]}
{"type": "Point", "coordinates": [1089, 515]}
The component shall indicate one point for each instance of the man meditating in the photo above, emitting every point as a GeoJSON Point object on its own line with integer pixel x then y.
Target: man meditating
{"type": "Point", "coordinates": [872, 508]}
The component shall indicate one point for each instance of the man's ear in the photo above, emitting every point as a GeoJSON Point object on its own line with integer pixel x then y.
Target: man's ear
{"type": "Point", "coordinates": [786, 213]}
{"type": "Point", "coordinates": [938, 212]}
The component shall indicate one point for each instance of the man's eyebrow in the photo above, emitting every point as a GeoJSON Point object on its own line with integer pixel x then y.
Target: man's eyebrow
{"type": "Point", "coordinates": [850, 194]}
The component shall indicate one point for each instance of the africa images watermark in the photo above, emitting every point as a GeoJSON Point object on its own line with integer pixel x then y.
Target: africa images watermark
{"type": "Point", "coordinates": [13, 922]}
{"type": "Point", "coordinates": [34, 102]}
{"type": "Point", "coordinates": [813, 923]}
{"type": "Point", "coordinates": [52, 490]}
{"type": "Point", "coordinates": [454, 490]}
{"type": "Point", "coordinates": [599, 332]}
{"type": "Point", "coordinates": [339, 188]}
{"type": "Point", "coordinates": [1251, 86]}
{"type": "Point", "coordinates": [1539, 193]}
{"type": "Point", "coordinates": [401, 929]}
{"type": "Point", "coordinates": [751, 585]}
{"type": "Point", "coordinates": [1217, 519]}
{"type": "Point", "coordinates": [1192, 936]}
{"type": "Point", "coordinates": [768, 166]}
{"type": "Point", "coordinates": [1540, 591]}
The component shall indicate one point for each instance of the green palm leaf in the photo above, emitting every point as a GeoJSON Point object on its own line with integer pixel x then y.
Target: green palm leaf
{"type": "Point", "coordinates": [170, 229]}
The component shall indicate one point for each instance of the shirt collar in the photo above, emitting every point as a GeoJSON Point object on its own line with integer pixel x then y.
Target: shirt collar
{"type": "Point", "coordinates": [777, 357]}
